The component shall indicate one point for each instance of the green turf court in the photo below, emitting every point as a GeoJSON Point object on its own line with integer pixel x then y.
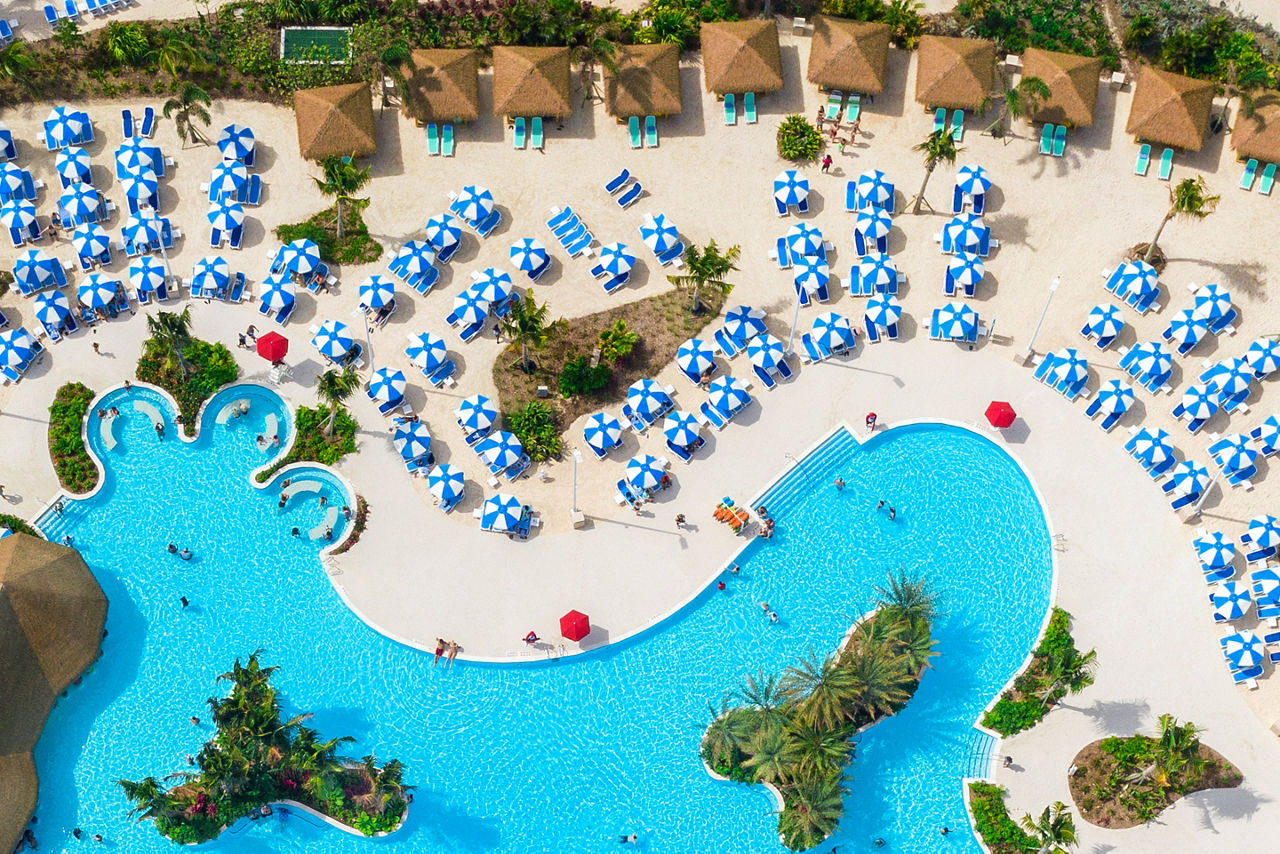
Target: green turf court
{"type": "Point", "coordinates": [315, 44]}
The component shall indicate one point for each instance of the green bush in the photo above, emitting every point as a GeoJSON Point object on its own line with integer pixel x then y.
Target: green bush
{"type": "Point", "coordinates": [1071, 26]}
{"type": "Point", "coordinates": [906, 24]}
{"type": "Point", "coordinates": [309, 230]}
{"type": "Point", "coordinates": [537, 429]}
{"type": "Point", "coordinates": [210, 366]}
{"type": "Point", "coordinates": [1030, 698]}
{"type": "Point", "coordinates": [999, 832]}
{"type": "Point", "coordinates": [578, 377]}
{"type": "Point", "coordinates": [310, 444]}
{"type": "Point", "coordinates": [16, 525]}
{"type": "Point", "coordinates": [75, 468]}
{"type": "Point", "coordinates": [356, 246]}
{"type": "Point", "coordinates": [617, 341]}
{"type": "Point", "coordinates": [1200, 39]}
{"type": "Point", "coordinates": [798, 140]}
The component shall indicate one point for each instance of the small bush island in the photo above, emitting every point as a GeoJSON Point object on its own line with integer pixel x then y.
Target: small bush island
{"type": "Point", "coordinates": [75, 468]}
{"type": "Point", "coordinates": [1057, 668]}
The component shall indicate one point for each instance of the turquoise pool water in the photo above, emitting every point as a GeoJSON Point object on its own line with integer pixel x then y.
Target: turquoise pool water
{"type": "Point", "coordinates": [560, 756]}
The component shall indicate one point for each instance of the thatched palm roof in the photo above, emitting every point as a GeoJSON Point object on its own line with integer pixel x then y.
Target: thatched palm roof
{"type": "Point", "coordinates": [741, 56]}
{"type": "Point", "coordinates": [531, 81]}
{"type": "Point", "coordinates": [51, 617]}
{"type": "Point", "coordinates": [444, 85]}
{"type": "Point", "coordinates": [646, 82]}
{"type": "Point", "coordinates": [335, 121]}
{"type": "Point", "coordinates": [848, 55]}
{"type": "Point", "coordinates": [1072, 82]}
{"type": "Point", "coordinates": [1259, 135]}
{"type": "Point", "coordinates": [1170, 109]}
{"type": "Point", "coordinates": [954, 73]}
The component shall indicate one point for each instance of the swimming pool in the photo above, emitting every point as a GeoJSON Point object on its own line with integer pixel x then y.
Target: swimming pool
{"type": "Point", "coordinates": [563, 755]}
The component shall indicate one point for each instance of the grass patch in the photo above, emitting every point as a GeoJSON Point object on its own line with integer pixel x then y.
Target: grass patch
{"type": "Point", "coordinates": [209, 367]}
{"type": "Point", "coordinates": [356, 246]}
{"type": "Point", "coordinates": [662, 323]}
{"type": "Point", "coordinates": [999, 832]}
{"type": "Point", "coordinates": [1056, 670]}
{"type": "Point", "coordinates": [16, 525]}
{"type": "Point", "coordinates": [310, 444]}
{"type": "Point", "coordinates": [71, 460]}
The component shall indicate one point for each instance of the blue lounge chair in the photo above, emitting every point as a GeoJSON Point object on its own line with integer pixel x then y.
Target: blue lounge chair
{"type": "Point", "coordinates": [1246, 676]}
{"type": "Point", "coordinates": [617, 282]}
{"type": "Point", "coordinates": [765, 377]}
{"type": "Point", "coordinates": [568, 227]}
{"type": "Point", "coordinates": [442, 373]}
{"type": "Point", "coordinates": [4, 321]}
{"type": "Point", "coordinates": [485, 226]}
{"type": "Point", "coordinates": [253, 190]}
{"type": "Point", "coordinates": [1046, 139]}
{"type": "Point", "coordinates": [215, 238]}
{"type": "Point", "coordinates": [957, 200]}
{"type": "Point", "coordinates": [7, 149]}
{"type": "Point", "coordinates": [672, 254]}
{"type": "Point", "coordinates": [446, 140]}
{"type": "Point", "coordinates": [51, 15]}
{"type": "Point", "coordinates": [535, 133]}
{"type": "Point", "coordinates": [940, 120]}
{"type": "Point", "coordinates": [714, 416]}
{"type": "Point", "coordinates": [237, 235]}
{"type": "Point", "coordinates": [282, 316]}
{"type": "Point", "coordinates": [957, 125]}
{"type": "Point", "coordinates": [72, 11]}
{"type": "Point", "coordinates": [581, 245]}
{"type": "Point", "coordinates": [730, 112]}
{"type": "Point", "coordinates": [749, 107]}
{"type": "Point", "coordinates": [444, 256]}
{"type": "Point", "coordinates": [784, 370]}
{"type": "Point", "coordinates": [148, 128]}
{"type": "Point", "coordinates": [519, 139]}
{"type": "Point", "coordinates": [1264, 186]}
{"type": "Point", "coordinates": [29, 187]}
{"type": "Point", "coordinates": [1250, 172]}
{"type": "Point", "coordinates": [424, 281]}
{"type": "Point", "coordinates": [472, 331]}
{"type": "Point", "coordinates": [628, 198]}
{"type": "Point", "coordinates": [679, 451]}
{"type": "Point", "coordinates": [782, 209]}
{"type": "Point", "coordinates": [726, 344]}
{"type": "Point", "coordinates": [851, 196]}
{"type": "Point", "coordinates": [811, 348]}
{"type": "Point", "coordinates": [633, 128]}
{"type": "Point", "coordinates": [1166, 164]}
{"type": "Point", "coordinates": [637, 423]}
{"type": "Point", "coordinates": [784, 254]}
{"type": "Point", "coordinates": [860, 243]}
{"type": "Point", "coordinates": [651, 131]}
{"type": "Point", "coordinates": [433, 140]}
{"type": "Point", "coordinates": [573, 235]}
{"type": "Point", "coordinates": [126, 122]}
{"type": "Point", "coordinates": [979, 203]}
{"type": "Point", "coordinates": [616, 184]}
{"type": "Point", "coordinates": [237, 288]}
{"type": "Point", "coordinates": [1060, 141]}
{"type": "Point", "coordinates": [560, 217]}
{"type": "Point", "coordinates": [1220, 324]}
{"type": "Point", "coordinates": [802, 206]}
{"type": "Point", "coordinates": [1144, 160]}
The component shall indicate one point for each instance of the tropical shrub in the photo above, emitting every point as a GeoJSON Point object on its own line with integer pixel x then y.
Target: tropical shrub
{"type": "Point", "coordinates": [16, 525]}
{"type": "Point", "coordinates": [906, 24]}
{"type": "Point", "coordinates": [537, 429]}
{"type": "Point", "coordinates": [617, 341]}
{"type": "Point", "coordinates": [355, 246]}
{"type": "Point", "coordinates": [75, 469]}
{"type": "Point", "coordinates": [1057, 668]}
{"type": "Point", "coordinates": [998, 831]}
{"type": "Point", "coordinates": [578, 377]}
{"type": "Point", "coordinates": [678, 21]}
{"type": "Point", "coordinates": [1070, 26]}
{"type": "Point", "coordinates": [798, 140]}
{"type": "Point", "coordinates": [309, 442]}
{"type": "Point", "coordinates": [209, 366]}
{"type": "Point", "coordinates": [1201, 39]}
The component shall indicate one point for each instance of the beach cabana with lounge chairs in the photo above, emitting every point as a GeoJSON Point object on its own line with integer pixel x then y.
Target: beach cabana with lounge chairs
{"type": "Point", "coordinates": [848, 56]}
{"type": "Point", "coordinates": [1256, 138]}
{"type": "Point", "coordinates": [643, 84]}
{"type": "Point", "coordinates": [741, 58]}
{"type": "Point", "coordinates": [530, 83]}
{"type": "Point", "coordinates": [335, 121]}
{"type": "Point", "coordinates": [1073, 94]}
{"type": "Point", "coordinates": [441, 88]}
{"type": "Point", "coordinates": [1170, 110]}
{"type": "Point", "coordinates": [954, 74]}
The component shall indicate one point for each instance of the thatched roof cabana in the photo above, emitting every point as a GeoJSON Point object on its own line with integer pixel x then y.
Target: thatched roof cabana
{"type": "Point", "coordinates": [1072, 82]}
{"type": "Point", "coordinates": [531, 81]}
{"type": "Point", "coordinates": [335, 121]}
{"type": "Point", "coordinates": [1169, 109]}
{"type": "Point", "coordinates": [51, 616]}
{"type": "Point", "coordinates": [954, 73]}
{"type": "Point", "coordinates": [1259, 135]}
{"type": "Point", "coordinates": [444, 85]}
{"type": "Point", "coordinates": [848, 55]}
{"type": "Point", "coordinates": [646, 82]}
{"type": "Point", "coordinates": [741, 56]}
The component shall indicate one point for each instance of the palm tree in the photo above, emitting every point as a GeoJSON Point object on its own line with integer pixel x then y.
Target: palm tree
{"type": "Point", "coordinates": [617, 341]}
{"type": "Point", "coordinates": [391, 63]}
{"type": "Point", "coordinates": [332, 388]}
{"type": "Point", "coordinates": [174, 52]}
{"type": "Point", "coordinates": [707, 268]}
{"type": "Point", "coordinates": [880, 678]}
{"type": "Point", "coordinates": [722, 737]}
{"type": "Point", "coordinates": [1176, 753]}
{"type": "Point", "coordinates": [1067, 670]}
{"type": "Point", "coordinates": [912, 598]}
{"type": "Point", "coordinates": [1188, 199]}
{"type": "Point", "coordinates": [16, 62]}
{"type": "Point", "coordinates": [814, 806]}
{"type": "Point", "coordinates": [1054, 831]}
{"type": "Point", "coordinates": [186, 109]}
{"type": "Point", "coordinates": [764, 695]}
{"type": "Point", "coordinates": [938, 147]}
{"type": "Point", "coordinates": [170, 334]}
{"type": "Point", "coordinates": [1018, 101]}
{"type": "Point", "coordinates": [768, 757]}
{"type": "Point", "coordinates": [815, 750]}
{"type": "Point", "coordinates": [1243, 85]}
{"type": "Point", "coordinates": [526, 322]}
{"type": "Point", "coordinates": [821, 691]}
{"type": "Point", "coordinates": [599, 47]}
{"type": "Point", "coordinates": [342, 180]}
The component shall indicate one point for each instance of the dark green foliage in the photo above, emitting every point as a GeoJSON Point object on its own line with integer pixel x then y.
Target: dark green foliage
{"type": "Point", "coordinates": [17, 525]}
{"type": "Point", "coordinates": [1057, 668]}
{"type": "Point", "coordinates": [1070, 26]}
{"type": "Point", "coordinates": [1199, 39]}
{"type": "Point", "coordinates": [75, 468]}
{"type": "Point", "coordinates": [537, 429]}
{"type": "Point", "coordinates": [677, 21]}
{"type": "Point", "coordinates": [578, 377]}
{"type": "Point", "coordinates": [309, 443]}
{"type": "Point", "coordinates": [355, 247]}
{"type": "Point", "coordinates": [905, 22]}
{"type": "Point", "coordinates": [210, 366]}
{"type": "Point", "coordinates": [998, 831]}
{"type": "Point", "coordinates": [798, 139]}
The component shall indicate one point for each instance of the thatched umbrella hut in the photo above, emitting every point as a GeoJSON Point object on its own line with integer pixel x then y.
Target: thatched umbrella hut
{"type": "Point", "coordinates": [1259, 135]}
{"type": "Point", "coordinates": [1072, 82]}
{"type": "Point", "coordinates": [957, 74]}
{"type": "Point", "coordinates": [51, 616]}
{"type": "Point", "coordinates": [443, 85]}
{"type": "Point", "coordinates": [1170, 109]}
{"type": "Point", "coordinates": [531, 81]}
{"type": "Point", "coordinates": [645, 81]}
{"type": "Point", "coordinates": [848, 55]}
{"type": "Point", "coordinates": [741, 56]}
{"type": "Point", "coordinates": [335, 121]}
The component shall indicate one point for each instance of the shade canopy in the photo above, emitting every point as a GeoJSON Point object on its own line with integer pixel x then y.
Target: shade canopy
{"type": "Point", "coordinates": [1259, 135]}
{"type": "Point", "coordinates": [273, 346]}
{"type": "Point", "coordinates": [335, 121]}
{"type": "Point", "coordinates": [848, 55]}
{"type": "Point", "coordinates": [954, 73]}
{"type": "Point", "coordinates": [501, 513]}
{"type": "Point", "coordinates": [1000, 414]}
{"type": "Point", "coordinates": [1073, 85]}
{"type": "Point", "coordinates": [741, 56]}
{"type": "Point", "coordinates": [602, 431]}
{"type": "Point", "coordinates": [644, 81]}
{"type": "Point", "coordinates": [531, 81]}
{"type": "Point", "coordinates": [575, 625]}
{"type": "Point", "coordinates": [1170, 109]}
{"type": "Point", "coordinates": [476, 413]}
{"type": "Point", "coordinates": [443, 85]}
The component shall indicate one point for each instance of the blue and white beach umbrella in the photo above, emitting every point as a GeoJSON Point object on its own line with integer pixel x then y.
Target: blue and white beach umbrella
{"type": "Point", "coordinates": [1200, 402]}
{"type": "Point", "coordinates": [141, 230]}
{"type": "Point", "coordinates": [17, 213]}
{"type": "Point", "coordinates": [874, 223]}
{"type": "Point", "coordinates": [446, 483]}
{"type": "Point", "coordinates": [1268, 432]}
{"type": "Point", "coordinates": [602, 431]}
{"type": "Point", "coordinates": [147, 273]}
{"type": "Point", "coordinates": [966, 268]}
{"type": "Point", "coordinates": [501, 449]}
{"type": "Point", "coordinates": [765, 352]}
{"type": "Point", "coordinates": [235, 142]}
{"type": "Point", "coordinates": [967, 231]}
{"type": "Point", "coordinates": [1234, 454]}
{"type": "Point", "coordinates": [833, 331]}
{"type": "Point", "coordinates": [1186, 329]}
{"type": "Point", "coordinates": [412, 439]}
{"type": "Point", "coordinates": [377, 291]}
{"type": "Point", "coordinates": [1231, 601]}
{"type": "Point", "coordinates": [1115, 397]}
{"type": "Point", "coordinates": [413, 258]}
{"type": "Point", "coordinates": [873, 188]}
{"type": "Point", "coordinates": [1152, 359]}
{"type": "Point", "coordinates": [333, 340]}
{"type": "Point", "coordinates": [791, 187]}
{"type": "Point", "coordinates": [476, 413]}
{"type": "Point", "coordinates": [226, 215]}
{"type": "Point", "coordinates": [727, 394]}
{"type": "Point", "coordinates": [1263, 356]}
{"type": "Point", "coordinates": [300, 256]}
{"type": "Point", "coordinates": [1243, 650]}
{"type": "Point", "coordinates": [1068, 366]}
{"type": "Point", "coordinates": [97, 291]}
{"type": "Point", "coordinates": [646, 397]}
{"type": "Point", "coordinates": [52, 307]}
{"type": "Point", "coordinates": [644, 471]}
{"type": "Point", "coordinates": [659, 234]}
{"type": "Point", "coordinates": [1135, 277]}
{"type": "Point", "coordinates": [278, 291]}
{"type": "Point", "coordinates": [973, 180]}
{"type": "Point", "coordinates": [443, 231]}
{"type": "Point", "coordinates": [1214, 550]}
{"type": "Point", "coordinates": [811, 273]}
{"type": "Point", "coordinates": [616, 258]}
{"type": "Point", "coordinates": [804, 240]}
{"type": "Point", "coordinates": [528, 254]}
{"type": "Point", "coordinates": [12, 178]}
{"type": "Point", "coordinates": [494, 285]}
{"type": "Point", "coordinates": [883, 310]}
{"type": "Point", "coordinates": [17, 348]}
{"type": "Point", "coordinates": [1188, 478]}
{"type": "Point", "coordinates": [135, 160]}
{"type": "Point", "coordinates": [1231, 376]}
{"type": "Point", "coordinates": [742, 323]}
{"type": "Point", "coordinates": [35, 269]}
{"type": "Point", "coordinates": [387, 385]}
{"type": "Point", "coordinates": [90, 240]}
{"type": "Point", "coordinates": [227, 178]}
{"type": "Point", "coordinates": [65, 126]}
{"type": "Point", "coordinates": [695, 356]}
{"type": "Point", "coordinates": [878, 271]}
{"type": "Point", "coordinates": [1264, 531]}
{"type": "Point", "coordinates": [73, 164]}
{"type": "Point", "coordinates": [140, 185]}
{"type": "Point", "coordinates": [680, 428]}
{"type": "Point", "coordinates": [474, 203]}
{"type": "Point", "coordinates": [210, 273]}
{"type": "Point", "coordinates": [1150, 447]}
{"type": "Point", "coordinates": [956, 321]}
{"type": "Point", "coordinates": [137, 145]}
{"type": "Point", "coordinates": [469, 307]}
{"type": "Point", "coordinates": [1266, 586]}
{"type": "Point", "coordinates": [1213, 301]}
{"type": "Point", "coordinates": [501, 513]}
{"type": "Point", "coordinates": [427, 351]}
{"type": "Point", "coordinates": [1105, 320]}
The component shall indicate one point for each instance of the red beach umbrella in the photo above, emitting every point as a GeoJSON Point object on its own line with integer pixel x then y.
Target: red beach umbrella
{"type": "Point", "coordinates": [273, 346]}
{"type": "Point", "coordinates": [575, 625]}
{"type": "Point", "coordinates": [1000, 414]}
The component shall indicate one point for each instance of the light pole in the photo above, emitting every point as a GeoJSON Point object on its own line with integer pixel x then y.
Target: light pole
{"type": "Point", "coordinates": [368, 342]}
{"type": "Point", "coordinates": [577, 458]}
{"type": "Point", "coordinates": [1195, 511]}
{"type": "Point", "coordinates": [795, 319]}
{"type": "Point", "coordinates": [1053, 288]}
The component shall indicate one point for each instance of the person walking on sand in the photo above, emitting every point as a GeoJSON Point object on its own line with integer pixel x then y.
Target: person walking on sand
{"type": "Point", "coordinates": [826, 163]}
